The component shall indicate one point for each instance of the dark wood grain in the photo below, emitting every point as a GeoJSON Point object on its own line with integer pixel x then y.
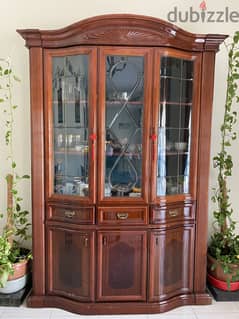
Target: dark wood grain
{"type": "Point", "coordinates": [122, 29]}
{"type": "Point", "coordinates": [208, 63]}
{"type": "Point", "coordinates": [171, 263]}
{"type": "Point", "coordinates": [70, 252]}
{"type": "Point", "coordinates": [112, 237]}
{"type": "Point", "coordinates": [48, 120]}
{"type": "Point", "coordinates": [38, 163]}
{"type": "Point", "coordinates": [121, 265]}
{"type": "Point", "coordinates": [114, 307]}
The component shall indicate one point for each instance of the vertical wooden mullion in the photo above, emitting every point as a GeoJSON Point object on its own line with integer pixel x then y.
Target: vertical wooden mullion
{"type": "Point", "coordinates": [207, 81]}
{"type": "Point", "coordinates": [37, 169]}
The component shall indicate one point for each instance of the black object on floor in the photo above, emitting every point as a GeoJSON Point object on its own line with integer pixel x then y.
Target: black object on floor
{"type": "Point", "coordinates": [15, 299]}
{"type": "Point", "coordinates": [221, 295]}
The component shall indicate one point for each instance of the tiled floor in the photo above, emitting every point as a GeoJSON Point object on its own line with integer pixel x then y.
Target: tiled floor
{"type": "Point", "coordinates": [218, 310]}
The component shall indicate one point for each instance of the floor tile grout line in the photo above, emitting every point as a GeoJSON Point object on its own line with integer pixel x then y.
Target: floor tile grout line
{"type": "Point", "coordinates": [195, 313]}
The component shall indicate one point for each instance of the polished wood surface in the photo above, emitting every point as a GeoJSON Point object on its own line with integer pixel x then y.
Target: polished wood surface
{"type": "Point", "coordinates": [121, 265]}
{"type": "Point", "coordinates": [208, 63]}
{"type": "Point", "coordinates": [118, 307]}
{"type": "Point", "coordinates": [171, 263]}
{"type": "Point", "coordinates": [122, 29]}
{"type": "Point", "coordinates": [38, 169]}
{"type": "Point", "coordinates": [70, 263]}
{"type": "Point", "coordinates": [71, 214]}
{"type": "Point", "coordinates": [120, 255]}
{"type": "Point", "coordinates": [122, 215]}
{"type": "Point", "coordinates": [48, 116]}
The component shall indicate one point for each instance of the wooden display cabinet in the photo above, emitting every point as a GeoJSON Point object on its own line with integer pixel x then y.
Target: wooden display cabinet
{"type": "Point", "coordinates": [121, 115]}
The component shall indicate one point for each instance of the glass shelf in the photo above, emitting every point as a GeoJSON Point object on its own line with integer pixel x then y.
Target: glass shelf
{"type": "Point", "coordinates": [70, 101]}
{"type": "Point", "coordinates": [119, 102]}
{"type": "Point", "coordinates": [72, 152]}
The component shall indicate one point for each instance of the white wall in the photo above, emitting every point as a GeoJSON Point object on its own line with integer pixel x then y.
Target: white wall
{"type": "Point", "coordinates": [50, 14]}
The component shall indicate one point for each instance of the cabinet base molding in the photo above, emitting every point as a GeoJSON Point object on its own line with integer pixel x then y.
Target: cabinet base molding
{"type": "Point", "coordinates": [108, 308]}
{"type": "Point", "coordinates": [203, 299]}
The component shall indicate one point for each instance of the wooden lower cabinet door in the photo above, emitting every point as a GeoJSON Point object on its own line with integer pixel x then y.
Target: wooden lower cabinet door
{"type": "Point", "coordinates": [70, 263]}
{"type": "Point", "coordinates": [171, 262]}
{"type": "Point", "coordinates": [122, 258]}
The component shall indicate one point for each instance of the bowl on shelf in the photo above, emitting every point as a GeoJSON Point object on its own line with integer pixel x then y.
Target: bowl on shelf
{"type": "Point", "coordinates": [181, 146]}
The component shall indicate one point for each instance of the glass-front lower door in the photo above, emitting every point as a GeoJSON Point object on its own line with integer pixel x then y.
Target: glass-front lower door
{"type": "Point", "coordinates": [71, 99]}
{"type": "Point", "coordinates": [124, 101]}
{"type": "Point", "coordinates": [176, 126]}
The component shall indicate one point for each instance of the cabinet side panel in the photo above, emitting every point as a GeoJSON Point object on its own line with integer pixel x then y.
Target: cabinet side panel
{"type": "Point", "coordinates": [37, 149]}
{"type": "Point", "coordinates": [203, 170]}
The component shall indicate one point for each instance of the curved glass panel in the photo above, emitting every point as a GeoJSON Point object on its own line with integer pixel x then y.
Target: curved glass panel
{"type": "Point", "coordinates": [70, 110]}
{"type": "Point", "coordinates": [124, 120]}
{"type": "Point", "coordinates": [174, 126]}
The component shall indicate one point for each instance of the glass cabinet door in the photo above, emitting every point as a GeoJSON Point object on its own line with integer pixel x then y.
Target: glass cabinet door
{"type": "Point", "coordinates": [72, 119]}
{"type": "Point", "coordinates": [125, 102]}
{"type": "Point", "coordinates": [176, 125]}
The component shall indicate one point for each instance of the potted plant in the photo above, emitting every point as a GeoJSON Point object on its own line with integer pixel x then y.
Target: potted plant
{"type": "Point", "coordinates": [13, 256]}
{"type": "Point", "coordinates": [223, 250]}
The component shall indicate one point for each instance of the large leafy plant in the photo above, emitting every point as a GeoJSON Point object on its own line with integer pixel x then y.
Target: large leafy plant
{"type": "Point", "coordinates": [16, 229]}
{"type": "Point", "coordinates": [224, 245]}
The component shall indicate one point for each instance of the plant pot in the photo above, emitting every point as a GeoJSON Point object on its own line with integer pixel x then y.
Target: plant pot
{"type": "Point", "coordinates": [218, 278]}
{"type": "Point", "coordinates": [20, 269]}
{"type": "Point", "coordinates": [18, 279]}
{"type": "Point", "coordinates": [15, 285]}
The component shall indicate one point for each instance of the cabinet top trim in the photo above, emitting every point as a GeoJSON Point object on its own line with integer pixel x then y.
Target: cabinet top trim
{"type": "Point", "coordinates": [123, 30]}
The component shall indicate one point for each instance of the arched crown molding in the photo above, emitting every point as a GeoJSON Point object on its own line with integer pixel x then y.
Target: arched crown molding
{"type": "Point", "coordinates": [123, 30]}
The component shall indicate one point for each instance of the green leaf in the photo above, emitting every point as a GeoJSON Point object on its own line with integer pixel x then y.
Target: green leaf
{"type": "Point", "coordinates": [14, 191]}
{"type": "Point", "coordinates": [14, 164]}
{"type": "Point", "coordinates": [26, 176]}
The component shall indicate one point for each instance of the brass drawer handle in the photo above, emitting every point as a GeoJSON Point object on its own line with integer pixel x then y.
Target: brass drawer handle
{"type": "Point", "coordinates": [173, 212]}
{"type": "Point", "coordinates": [122, 215]}
{"type": "Point", "coordinates": [69, 213]}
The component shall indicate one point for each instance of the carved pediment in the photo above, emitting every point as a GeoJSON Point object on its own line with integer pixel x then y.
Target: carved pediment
{"type": "Point", "coordinates": [123, 30]}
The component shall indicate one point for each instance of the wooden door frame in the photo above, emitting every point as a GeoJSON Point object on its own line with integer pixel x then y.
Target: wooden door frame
{"type": "Point", "coordinates": [48, 116]}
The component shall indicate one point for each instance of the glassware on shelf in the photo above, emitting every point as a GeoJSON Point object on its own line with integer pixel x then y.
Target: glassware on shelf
{"type": "Point", "coordinates": [60, 93]}
{"type": "Point", "coordinates": [181, 146]}
{"type": "Point", "coordinates": [59, 176]}
{"type": "Point", "coordinates": [69, 188]}
{"type": "Point", "coordinates": [82, 189]}
{"type": "Point", "coordinates": [60, 141]}
{"type": "Point", "coordinates": [69, 140]}
{"type": "Point", "coordinates": [169, 146]}
{"type": "Point", "coordinates": [107, 190]}
{"type": "Point", "coordinates": [77, 142]}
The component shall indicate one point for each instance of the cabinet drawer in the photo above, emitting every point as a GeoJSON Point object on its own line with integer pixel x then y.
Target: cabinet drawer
{"type": "Point", "coordinates": [169, 214]}
{"type": "Point", "coordinates": [122, 215]}
{"type": "Point", "coordinates": [83, 215]}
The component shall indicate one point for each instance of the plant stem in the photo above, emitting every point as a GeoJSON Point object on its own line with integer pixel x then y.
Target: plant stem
{"type": "Point", "coordinates": [10, 177]}
{"type": "Point", "coordinates": [222, 178]}
{"type": "Point", "coordinates": [10, 223]}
